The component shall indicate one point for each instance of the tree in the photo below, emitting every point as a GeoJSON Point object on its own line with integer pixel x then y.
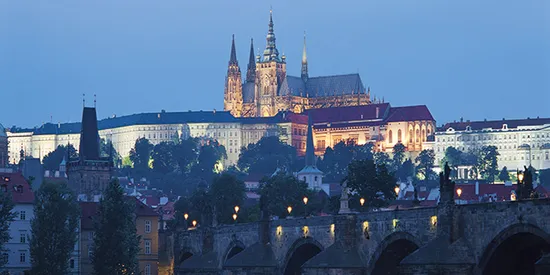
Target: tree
{"type": "Point", "coordinates": [398, 156]}
{"type": "Point", "coordinates": [52, 160]}
{"type": "Point", "coordinates": [6, 217]}
{"type": "Point", "coordinates": [488, 162]}
{"type": "Point", "coordinates": [381, 159]}
{"type": "Point", "coordinates": [336, 160]}
{"type": "Point", "coordinates": [425, 162]}
{"type": "Point", "coordinates": [185, 154]}
{"type": "Point", "coordinates": [201, 206]}
{"type": "Point", "coordinates": [163, 159]}
{"type": "Point", "coordinates": [544, 177]}
{"type": "Point", "coordinates": [209, 160]}
{"type": "Point", "coordinates": [504, 174]}
{"type": "Point", "coordinates": [107, 150]}
{"type": "Point", "coordinates": [265, 156]}
{"type": "Point", "coordinates": [453, 157]}
{"type": "Point", "coordinates": [406, 170]}
{"type": "Point", "coordinates": [368, 181]}
{"type": "Point", "coordinates": [116, 241]}
{"type": "Point", "coordinates": [140, 156]}
{"type": "Point", "coordinates": [226, 192]}
{"type": "Point", "coordinates": [54, 229]}
{"type": "Point", "coordinates": [281, 191]}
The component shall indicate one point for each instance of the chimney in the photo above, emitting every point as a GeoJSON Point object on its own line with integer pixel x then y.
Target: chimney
{"type": "Point", "coordinates": [477, 188]}
{"type": "Point", "coordinates": [377, 112]}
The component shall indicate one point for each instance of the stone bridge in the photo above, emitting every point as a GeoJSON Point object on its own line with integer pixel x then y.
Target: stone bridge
{"type": "Point", "coordinates": [491, 238]}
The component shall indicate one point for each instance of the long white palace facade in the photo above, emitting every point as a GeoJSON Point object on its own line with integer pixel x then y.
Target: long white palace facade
{"type": "Point", "coordinates": [380, 124]}
{"type": "Point", "coordinates": [520, 142]}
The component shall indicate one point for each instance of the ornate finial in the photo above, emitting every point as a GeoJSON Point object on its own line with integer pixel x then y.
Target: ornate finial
{"type": "Point", "coordinates": [83, 100]}
{"type": "Point", "coordinates": [95, 100]}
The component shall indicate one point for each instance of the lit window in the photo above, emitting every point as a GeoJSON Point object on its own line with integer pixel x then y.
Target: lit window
{"type": "Point", "coordinates": [147, 246]}
{"type": "Point", "coordinates": [147, 226]}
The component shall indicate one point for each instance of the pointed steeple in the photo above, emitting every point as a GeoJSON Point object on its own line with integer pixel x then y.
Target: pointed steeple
{"type": "Point", "coordinates": [89, 135]}
{"type": "Point", "coordinates": [233, 57]}
{"type": "Point", "coordinates": [271, 53]}
{"type": "Point", "coordinates": [251, 68]}
{"type": "Point", "coordinates": [310, 149]}
{"type": "Point", "coordinates": [304, 61]}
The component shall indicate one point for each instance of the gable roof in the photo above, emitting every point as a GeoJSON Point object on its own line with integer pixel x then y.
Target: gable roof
{"type": "Point", "coordinates": [20, 189]}
{"type": "Point", "coordinates": [496, 124]}
{"type": "Point", "coordinates": [348, 114]}
{"type": "Point", "coordinates": [408, 113]}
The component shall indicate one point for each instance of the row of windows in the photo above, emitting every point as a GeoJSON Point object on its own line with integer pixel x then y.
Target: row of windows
{"type": "Point", "coordinates": [491, 137]}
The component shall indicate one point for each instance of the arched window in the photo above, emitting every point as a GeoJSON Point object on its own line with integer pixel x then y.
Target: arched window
{"type": "Point", "coordinates": [399, 138]}
{"type": "Point", "coordinates": [410, 135]}
{"type": "Point", "coordinates": [423, 135]}
{"type": "Point", "coordinates": [390, 136]}
{"type": "Point", "coordinates": [417, 135]}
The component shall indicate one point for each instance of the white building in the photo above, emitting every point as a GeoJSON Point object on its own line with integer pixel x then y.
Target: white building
{"type": "Point", "coordinates": [18, 253]}
{"type": "Point", "coordinates": [520, 142]}
{"type": "Point", "coordinates": [233, 133]}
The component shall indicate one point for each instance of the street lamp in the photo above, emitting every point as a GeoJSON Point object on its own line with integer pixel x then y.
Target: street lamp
{"type": "Point", "coordinates": [459, 192]}
{"type": "Point", "coordinates": [362, 201]}
{"type": "Point", "coordinates": [305, 199]}
{"type": "Point", "coordinates": [520, 177]}
{"type": "Point", "coordinates": [235, 217]}
{"type": "Point", "coordinates": [194, 223]}
{"type": "Point", "coordinates": [289, 209]}
{"type": "Point", "coordinates": [237, 209]}
{"type": "Point", "coordinates": [396, 189]}
{"type": "Point", "coordinates": [185, 216]}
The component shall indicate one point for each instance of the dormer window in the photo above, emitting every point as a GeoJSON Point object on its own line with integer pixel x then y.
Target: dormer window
{"type": "Point", "coordinates": [450, 129]}
{"type": "Point", "coordinates": [19, 188]}
{"type": "Point", "coordinates": [504, 126]}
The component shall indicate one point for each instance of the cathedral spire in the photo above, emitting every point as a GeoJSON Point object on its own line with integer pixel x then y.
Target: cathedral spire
{"type": "Point", "coordinates": [271, 53]}
{"type": "Point", "coordinates": [233, 57]}
{"type": "Point", "coordinates": [310, 149]}
{"type": "Point", "coordinates": [251, 70]}
{"type": "Point", "coordinates": [304, 61]}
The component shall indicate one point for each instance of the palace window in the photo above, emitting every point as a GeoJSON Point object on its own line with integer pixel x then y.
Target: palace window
{"type": "Point", "coordinates": [417, 135]}
{"type": "Point", "coordinates": [547, 156]}
{"type": "Point", "coordinates": [147, 246]}
{"type": "Point", "coordinates": [390, 136]}
{"type": "Point", "coordinates": [147, 226]}
{"type": "Point", "coordinates": [411, 136]}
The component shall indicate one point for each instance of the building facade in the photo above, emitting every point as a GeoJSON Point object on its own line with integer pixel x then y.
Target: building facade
{"type": "Point", "coordinates": [267, 89]}
{"type": "Point", "coordinates": [520, 142]}
{"type": "Point", "coordinates": [18, 250]}
{"type": "Point", "coordinates": [3, 147]}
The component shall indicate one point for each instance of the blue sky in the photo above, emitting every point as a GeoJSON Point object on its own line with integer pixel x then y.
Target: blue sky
{"type": "Point", "coordinates": [470, 58]}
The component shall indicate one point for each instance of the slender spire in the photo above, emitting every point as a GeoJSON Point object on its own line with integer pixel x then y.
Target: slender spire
{"type": "Point", "coordinates": [233, 57]}
{"type": "Point", "coordinates": [251, 69]}
{"type": "Point", "coordinates": [304, 61]}
{"type": "Point", "coordinates": [310, 150]}
{"type": "Point", "coordinates": [271, 53]}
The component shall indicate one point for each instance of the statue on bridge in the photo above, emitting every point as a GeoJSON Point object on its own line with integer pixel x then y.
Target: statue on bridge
{"type": "Point", "coordinates": [525, 188]}
{"type": "Point", "coordinates": [446, 186]}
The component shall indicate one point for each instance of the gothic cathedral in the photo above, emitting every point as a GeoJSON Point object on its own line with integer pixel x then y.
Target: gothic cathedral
{"type": "Point", "coordinates": [268, 89]}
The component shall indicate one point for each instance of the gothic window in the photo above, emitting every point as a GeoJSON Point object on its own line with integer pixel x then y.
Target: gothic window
{"type": "Point", "coordinates": [411, 136]}
{"type": "Point", "coordinates": [390, 136]}
{"type": "Point", "coordinates": [399, 135]}
{"type": "Point", "coordinates": [417, 135]}
{"type": "Point", "coordinates": [423, 135]}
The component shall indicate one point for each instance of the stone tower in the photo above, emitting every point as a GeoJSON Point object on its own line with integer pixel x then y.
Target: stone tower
{"type": "Point", "coordinates": [270, 73]}
{"type": "Point", "coordinates": [310, 173]}
{"type": "Point", "coordinates": [233, 95]}
{"type": "Point", "coordinates": [90, 174]}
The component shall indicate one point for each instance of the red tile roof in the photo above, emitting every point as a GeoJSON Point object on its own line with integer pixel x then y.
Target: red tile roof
{"type": "Point", "coordinates": [350, 113]}
{"type": "Point", "coordinates": [409, 113]}
{"type": "Point", "coordinates": [20, 189]}
{"type": "Point", "coordinates": [142, 209]}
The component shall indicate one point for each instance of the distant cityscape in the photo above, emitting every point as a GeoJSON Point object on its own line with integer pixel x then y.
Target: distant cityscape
{"type": "Point", "coordinates": [311, 115]}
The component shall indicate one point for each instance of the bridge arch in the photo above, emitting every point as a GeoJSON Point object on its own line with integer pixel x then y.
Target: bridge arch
{"type": "Point", "coordinates": [234, 248]}
{"type": "Point", "coordinates": [514, 250]}
{"type": "Point", "coordinates": [299, 253]}
{"type": "Point", "coordinates": [184, 254]}
{"type": "Point", "coordinates": [391, 251]}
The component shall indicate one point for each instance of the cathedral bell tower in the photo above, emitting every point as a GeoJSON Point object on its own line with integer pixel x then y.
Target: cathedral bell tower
{"type": "Point", "coordinates": [233, 94]}
{"type": "Point", "coordinates": [270, 73]}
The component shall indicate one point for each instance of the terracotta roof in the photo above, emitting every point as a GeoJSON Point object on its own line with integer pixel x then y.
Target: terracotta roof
{"type": "Point", "coordinates": [408, 113]}
{"type": "Point", "coordinates": [88, 210]}
{"type": "Point", "coordinates": [350, 113]}
{"type": "Point", "coordinates": [142, 209]}
{"type": "Point", "coordinates": [167, 211]}
{"type": "Point", "coordinates": [496, 124]}
{"type": "Point", "coordinates": [20, 189]}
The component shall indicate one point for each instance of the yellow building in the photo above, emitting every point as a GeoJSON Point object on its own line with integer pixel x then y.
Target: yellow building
{"type": "Point", "coordinates": [268, 89]}
{"type": "Point", "coordinates": [146, 227]}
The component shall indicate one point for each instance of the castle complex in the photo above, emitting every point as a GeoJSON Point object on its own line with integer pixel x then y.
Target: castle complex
{"type": "Point", "coordinates": [267, 89]}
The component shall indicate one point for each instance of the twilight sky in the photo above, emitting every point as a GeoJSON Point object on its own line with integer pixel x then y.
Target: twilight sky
{"type": "Point", "coordinates": [470, 58]}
